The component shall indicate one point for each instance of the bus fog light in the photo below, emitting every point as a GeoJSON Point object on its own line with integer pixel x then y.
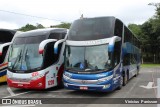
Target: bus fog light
{"type": "Point", "coordinates": [65, 84]}
{"type": "Point", "coordinates": [105, 78]}
{"type": "Point", "coordinates": [65, 77]}
{"type": "Point", "coordinates": [106, 86]}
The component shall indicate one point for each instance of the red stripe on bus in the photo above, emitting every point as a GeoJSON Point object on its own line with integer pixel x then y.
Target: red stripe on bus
{"type": "Point", "coordinates": [4, 64]}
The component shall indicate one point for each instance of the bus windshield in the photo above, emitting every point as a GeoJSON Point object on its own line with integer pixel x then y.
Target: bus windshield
{"type": "Point", "coordinates": [87, 59]}
{"type": "Point", "coordinates": [91, 29]}
{"type": "Point", "coordinates": [24, 53]}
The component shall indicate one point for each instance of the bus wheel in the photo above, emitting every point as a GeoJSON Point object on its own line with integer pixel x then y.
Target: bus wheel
{"type": "Point", "coordinates": [60, 85]}
{"type": "Point", "coordinates": [125, 79]}
{"type": "Point", "coordinates": [137, 72]}
{"type": "Point", "coordinates": [121, 83]}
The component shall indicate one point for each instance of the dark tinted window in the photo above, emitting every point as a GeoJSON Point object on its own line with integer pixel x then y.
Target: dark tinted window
{"type": "Point", "coordinates": [117, 53]}
{"type": "Point", "coordinates": [29, 40]}
{"type": "Point", "coordinates": [57, 36]}
{"type": "Point", "coordinates": [6, 36]}
{"type": "Point", "coordinates": [49, 56]}
{"type": "Point", "coordinates": [127, 35]}
{"type": "Point", "coordinates": [118, 28]}
{"type": "Point", "coordinates": [2, 57]}
{"type": "Point", "coordinates": [91, 29]}
{"type": "Point", "coordinates": [126, 59]}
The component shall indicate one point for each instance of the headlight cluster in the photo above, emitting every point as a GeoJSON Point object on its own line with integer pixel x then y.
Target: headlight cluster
{"type": "Point", "coordinates": [66, 77]}
{"type": "Point", "coordinates": [9, 75]}
{"type": "Point", "coordinates": [105, 78]}
{"type": "Point", "coordinates": [38, 76]}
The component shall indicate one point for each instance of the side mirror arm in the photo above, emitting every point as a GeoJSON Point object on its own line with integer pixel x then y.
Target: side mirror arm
{"type": "Point", "coordinates": [43, 44]}
{"type": "Point", "coordinates": [56, 45]}
{"type": "Point", "coordinates": [112, 42]}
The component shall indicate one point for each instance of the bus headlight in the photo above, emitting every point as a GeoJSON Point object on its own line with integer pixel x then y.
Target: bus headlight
{"type": "Point", "coordinates": [9, 75]}
{"type": "Point", "coordinates": [105, 78]}
{"type": "Point", "coordinates": [66, 77]}
{"type": "Point", "coordinates": [38, 76]}
{"type": "Point", "coordinates": [106, 86]}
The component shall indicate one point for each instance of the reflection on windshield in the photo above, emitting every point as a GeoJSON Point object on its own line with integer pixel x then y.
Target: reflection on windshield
{"type": "Point", "coordinates": [25, 56]}
{"type": "Point", "coordinates": [93, 58]}
{"type": "Point", "coordinates": [29, 59]}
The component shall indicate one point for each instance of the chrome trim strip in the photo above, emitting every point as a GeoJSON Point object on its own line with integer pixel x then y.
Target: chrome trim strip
{"type": "Point", "coordinates": [88, 43]}
{"type": "Point", "coordinates": [85, 85]}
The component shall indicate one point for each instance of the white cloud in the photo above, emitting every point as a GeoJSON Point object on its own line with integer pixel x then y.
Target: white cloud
{"type": "Point", "coordinates": [129, 11]}
{"type": "Point", "coordinates": [7, 25]}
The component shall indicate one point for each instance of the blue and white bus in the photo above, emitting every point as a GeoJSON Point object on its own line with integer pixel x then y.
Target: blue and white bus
{"type": "Point", "coordinates": [101, 54]}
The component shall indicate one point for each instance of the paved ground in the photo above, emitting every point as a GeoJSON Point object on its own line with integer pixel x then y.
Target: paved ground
{"type": "Point", "coordinates": [137, 87]}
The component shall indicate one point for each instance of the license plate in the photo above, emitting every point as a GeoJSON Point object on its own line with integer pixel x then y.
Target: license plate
{"type": "Point", "coordinates": [83, 88]}
{"type": "Point", "coordinates": [19, 84]}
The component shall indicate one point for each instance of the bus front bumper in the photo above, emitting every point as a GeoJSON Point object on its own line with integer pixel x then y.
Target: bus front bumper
{"type": "Point", "coordinates": [33, 84]}
{"type": "Point", "coordinates": [102, 88]}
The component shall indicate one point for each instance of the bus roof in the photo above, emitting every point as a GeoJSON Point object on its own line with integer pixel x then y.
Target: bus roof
{"type": "Point", "coordinates": [6, 35]}
{"type": "Point", "coordinates": [8, 30]}
{"type": "Point", "coordinates": [39, 32]}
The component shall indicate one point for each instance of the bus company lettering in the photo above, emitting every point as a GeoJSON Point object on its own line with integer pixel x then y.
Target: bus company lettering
{"type": "Point", "coordinates": [35, 74]}
{"type": "Point", "coordinates": [50, 82]}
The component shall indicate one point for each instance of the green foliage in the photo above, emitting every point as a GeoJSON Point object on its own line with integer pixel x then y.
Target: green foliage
{"type": "Point", "coordinates": [135, 29]}
{"type": "Point", "coordinates": [62, 25]}
{"type": "Point", "coordinates": [29, 27]}
{"type": "Point", "coordinates": [149, 34]}
{"type": "Point", "coordinates": [150, 65]}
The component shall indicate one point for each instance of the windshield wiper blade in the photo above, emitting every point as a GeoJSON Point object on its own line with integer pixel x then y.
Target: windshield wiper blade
{"type": "Point", "coordinates": [17, 59]}
{"type": "Point", "coordinates": [26, 60]}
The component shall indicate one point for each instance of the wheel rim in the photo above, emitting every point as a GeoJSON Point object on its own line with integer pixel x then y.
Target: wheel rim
{"type": "Point", "coordinates": [121, 82]}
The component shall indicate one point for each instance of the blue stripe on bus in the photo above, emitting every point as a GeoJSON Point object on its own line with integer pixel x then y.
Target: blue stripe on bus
{"type": "Point", "coordinates": [3, 73]}
{"type": "Point", "coordinates": [89, 76]}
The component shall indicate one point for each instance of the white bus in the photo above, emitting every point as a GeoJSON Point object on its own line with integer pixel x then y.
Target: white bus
{"type": "Point", "coordinates": [35, 59]}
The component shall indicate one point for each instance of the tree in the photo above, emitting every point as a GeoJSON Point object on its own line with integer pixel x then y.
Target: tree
{"type": "Point", "coordinates": [149, 34]}
{"type": "Point", "coordinates": [28, 27]}
{"type": "Point", "coordinates": [135, 29]}
{"type": "Point", "coordinates": [62, 25]}
{"type": "Point", "coordinates": [39, 26]}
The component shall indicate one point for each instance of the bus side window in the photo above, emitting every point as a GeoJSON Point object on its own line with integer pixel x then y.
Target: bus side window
{"type": "Point", "coordinates": [117, 52]}
{"type": "Point", "coordinates": [126, 59]}
{"type": "Point", "coordinates": [57, 36]}
{"type": "Point", "coordinates": [2, 57]}
{"type": "Point", "coordinates": [49, 57]}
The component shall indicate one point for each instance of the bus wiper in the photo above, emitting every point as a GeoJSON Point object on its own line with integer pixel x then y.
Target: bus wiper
{"type": "Point", "coordinates": [27, 62]}
{"type": "Point", "coordinates": [17, 59]}
{"type": "Point", "coordinates": [26, 54]}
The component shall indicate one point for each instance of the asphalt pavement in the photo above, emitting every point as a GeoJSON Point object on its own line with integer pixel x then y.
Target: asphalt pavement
{"type": "Point", "coordinates": [142, 86]}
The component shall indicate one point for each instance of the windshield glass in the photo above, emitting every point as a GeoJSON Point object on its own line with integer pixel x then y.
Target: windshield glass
{"type": "Point", "coordinates": [24, 53]}
{"type": "Point", "coordinates": [92, 58]}
{"type": "Point", "coordinates": [91, 29]}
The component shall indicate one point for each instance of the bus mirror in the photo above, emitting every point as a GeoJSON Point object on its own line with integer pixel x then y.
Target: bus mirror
{"type": "Point", "coordinates": [112, 42]}
{"type": "Point", "coordinates": [43, 44]}
{"type": "Point", "coordinates": [4, 45]}
{"type": "Point", "coordinates": [56, 45]}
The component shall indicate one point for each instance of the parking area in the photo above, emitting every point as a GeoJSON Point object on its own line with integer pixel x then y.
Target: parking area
{"type": "Point", "coordinates": [142, 86]}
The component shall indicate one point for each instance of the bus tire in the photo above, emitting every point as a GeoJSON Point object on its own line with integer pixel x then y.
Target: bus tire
{"type": "Point", "coordinates": [121, 83]}
{"type": "Point", "coordinates": [125, 79]}
{"type": "Point", "coordinates": [137, 73]}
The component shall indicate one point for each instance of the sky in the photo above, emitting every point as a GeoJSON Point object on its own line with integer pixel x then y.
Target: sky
{"type": "Point", "coordinates": [53, 12]}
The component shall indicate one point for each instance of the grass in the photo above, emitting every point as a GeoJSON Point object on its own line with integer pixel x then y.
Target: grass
{"type": "Point", "coordinates": [150, 65]}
